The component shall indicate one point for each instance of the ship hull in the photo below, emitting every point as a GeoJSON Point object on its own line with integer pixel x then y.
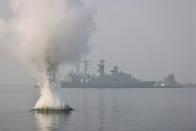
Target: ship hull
{"type": "Point", "coordinates": [108, 85]}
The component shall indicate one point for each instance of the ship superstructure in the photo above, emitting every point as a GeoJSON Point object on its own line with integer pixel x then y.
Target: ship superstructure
{"type": "Point", "coordinates": [117, 78]}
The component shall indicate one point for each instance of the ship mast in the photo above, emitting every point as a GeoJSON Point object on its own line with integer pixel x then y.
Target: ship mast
{"type": "Point", "coordinates": [86, 75]}
{"type": "Point", "coordinates": [86, 64]}
{"type": "Point", "coordinates": [101, 67]}
{"type": "Point", "coordinates": [78, 69]}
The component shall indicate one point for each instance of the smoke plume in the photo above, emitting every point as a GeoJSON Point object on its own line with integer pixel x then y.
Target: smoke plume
{"type": "Point", "coordinates": [42, 34]}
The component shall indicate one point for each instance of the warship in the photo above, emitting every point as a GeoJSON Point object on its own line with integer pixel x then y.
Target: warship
{"type": "Point", "coordinates": [117, 78]}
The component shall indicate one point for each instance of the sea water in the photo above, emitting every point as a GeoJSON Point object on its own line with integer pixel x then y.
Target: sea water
{"type": "Point", "coordinates": [106, 109]}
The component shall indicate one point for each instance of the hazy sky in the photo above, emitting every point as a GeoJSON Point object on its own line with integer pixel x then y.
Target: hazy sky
{"type": "Point", "coordinates": [148, 38]}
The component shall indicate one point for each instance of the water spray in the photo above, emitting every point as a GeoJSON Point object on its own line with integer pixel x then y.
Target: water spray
{"type": "Point", "coordinates": [43, 34]}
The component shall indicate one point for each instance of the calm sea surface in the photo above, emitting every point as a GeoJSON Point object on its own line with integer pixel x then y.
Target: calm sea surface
{"type": "Point", "coordinates": [101, 110]}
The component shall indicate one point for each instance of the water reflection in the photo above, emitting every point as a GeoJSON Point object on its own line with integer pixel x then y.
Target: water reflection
{"type": "Point", "coordinates": [51, 121]}
{"type": "Point", "coordinates": [85, 114]}
{"type": "Point", "coordinates": [101, 110]}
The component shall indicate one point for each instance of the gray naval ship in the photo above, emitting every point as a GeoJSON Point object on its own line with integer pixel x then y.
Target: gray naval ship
{"type": "Point", "coordinates": [117, 79]}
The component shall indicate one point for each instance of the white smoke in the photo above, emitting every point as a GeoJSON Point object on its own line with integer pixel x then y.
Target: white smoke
{"type": "Point", "coordinates": [42, 34]}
